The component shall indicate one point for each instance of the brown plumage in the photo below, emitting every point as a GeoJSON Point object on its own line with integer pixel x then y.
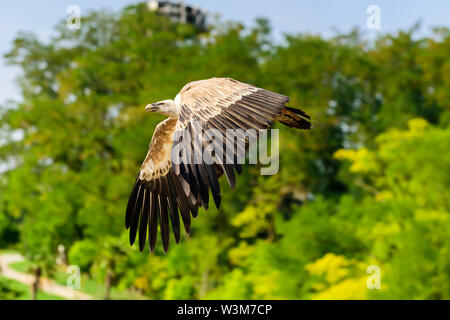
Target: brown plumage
{"type": "Point", "coordinates": [164, 190]}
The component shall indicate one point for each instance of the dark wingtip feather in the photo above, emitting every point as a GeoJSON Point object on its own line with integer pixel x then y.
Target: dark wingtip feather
{"type": "Point", "coordinates": [238, 168]}
{"type": "Point", "coordinates": [295, 118]}
{"type": "Point", "coordinates": [144, 220]}
{"type": "Point", "coordinates": [136, 215]}
{"type": "Point", "coordinates": [163, 214]}
{"type": "Point", "coordinates": [153, 225]}
{"type": "Point", "coordinates": [194, 211]}
{"type": "Point", "coordinates": [217, 201]}
{"type": "Point", "coordinates": [173, 208]}
{"type": "Point", "coordinates": [230, 176]}
{"type": "Point", "coordinates": [187, 228]}
{"type": "Point", "coordinates": [131, 204]}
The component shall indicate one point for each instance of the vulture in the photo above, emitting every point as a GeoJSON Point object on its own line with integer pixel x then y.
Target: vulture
{"type": "Point", "coordinates": [166, 189]}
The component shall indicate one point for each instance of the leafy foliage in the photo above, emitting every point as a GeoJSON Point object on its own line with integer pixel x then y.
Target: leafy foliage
{"type": "Point", "coordinates": [369, 184]}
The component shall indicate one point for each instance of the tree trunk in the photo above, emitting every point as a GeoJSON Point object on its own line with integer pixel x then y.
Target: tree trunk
{"type": "Point", "coordinates": [35, 284]}
{"type": "Point", "coordinates": [108, 285]}
{"type": "Point", "coordinates": [204, 284]}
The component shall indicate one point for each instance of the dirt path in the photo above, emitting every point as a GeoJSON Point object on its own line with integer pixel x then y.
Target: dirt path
{"type": "Point", "coordinates": [46, 285]}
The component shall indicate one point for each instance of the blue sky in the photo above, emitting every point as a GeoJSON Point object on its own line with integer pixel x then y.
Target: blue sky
{"type": "Point", "coordinates": [291, 16]}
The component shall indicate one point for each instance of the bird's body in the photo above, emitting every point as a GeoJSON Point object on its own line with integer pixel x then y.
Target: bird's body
{"type": "Point", "coordinates": [165, 188]}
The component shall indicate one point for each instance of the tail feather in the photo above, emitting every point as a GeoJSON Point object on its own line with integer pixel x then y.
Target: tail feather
{"type": "Point", "coordinates": [294, 118]}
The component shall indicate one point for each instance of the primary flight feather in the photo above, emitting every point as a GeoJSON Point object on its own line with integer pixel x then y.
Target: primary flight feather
{"type": "Point", "coordinates": [165, 190]}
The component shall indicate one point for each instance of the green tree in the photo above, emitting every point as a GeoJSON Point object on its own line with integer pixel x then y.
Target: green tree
{"type": "Point", "coordinates": [361, 187]}
{"type": "Point", "coordinates": [407, 178]}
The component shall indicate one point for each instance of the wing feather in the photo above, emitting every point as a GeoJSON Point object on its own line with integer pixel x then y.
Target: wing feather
{"type": "Point", "coordinates": [222, 104]}
{"type": "Point", "coordinates": [153, 225]}
{"type": "Point", "coordinates": [145, 213]}
{"type": "Point", "coordinates": [136, 214]}
{"type": "Point", "coordinates": [163, 191]}
{"type": "Point", "coordinates": [158, 193]}
{"type": "Point", "coordinates": [163, 213]}
{"type": "Point", "coordinates": [173, 209]}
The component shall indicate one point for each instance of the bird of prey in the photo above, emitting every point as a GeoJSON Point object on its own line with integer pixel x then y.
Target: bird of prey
{"type": "Point", "coordinates": [164, 190]}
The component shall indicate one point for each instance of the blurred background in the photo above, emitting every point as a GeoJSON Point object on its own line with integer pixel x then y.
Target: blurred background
{"type": "Point", "coordinates": [360, 206]}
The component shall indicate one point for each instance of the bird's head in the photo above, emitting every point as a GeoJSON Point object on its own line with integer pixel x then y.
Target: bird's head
{"type": "Point", "coordinates": [166, 107]}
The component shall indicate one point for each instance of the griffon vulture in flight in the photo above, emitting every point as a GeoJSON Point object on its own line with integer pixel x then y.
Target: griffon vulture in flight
{"type": "Point", "coordinates": [164, 190]}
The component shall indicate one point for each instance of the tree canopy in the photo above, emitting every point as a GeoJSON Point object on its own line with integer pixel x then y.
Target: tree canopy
{"type": "Point", "coordinates": [368, 185]}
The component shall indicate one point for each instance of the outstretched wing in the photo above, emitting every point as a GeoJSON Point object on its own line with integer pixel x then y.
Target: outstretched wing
{"type": "Point", "coordinates": [221, 104]}
{"type": "Point", "coordinates": [163, 187]}
{"type": "Point", "coordinates": [158, 194]}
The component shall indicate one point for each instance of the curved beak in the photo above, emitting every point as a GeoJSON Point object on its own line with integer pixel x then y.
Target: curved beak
{"type": "Point", "coordinates": [150, 107]}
